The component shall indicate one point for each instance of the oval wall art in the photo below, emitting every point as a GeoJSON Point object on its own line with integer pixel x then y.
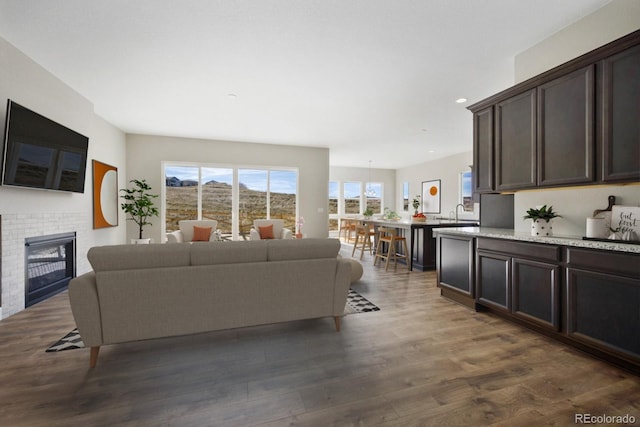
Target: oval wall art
{"type": "Point", "coordinates": [105, 195]}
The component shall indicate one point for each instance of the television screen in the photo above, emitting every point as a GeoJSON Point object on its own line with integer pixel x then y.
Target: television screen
{"type": "Point", "coordinates": [40, 153]}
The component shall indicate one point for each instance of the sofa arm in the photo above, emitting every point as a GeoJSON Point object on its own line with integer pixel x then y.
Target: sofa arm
{"type": "Point", "coordinates": [286, 234]}
{"type": "Point", "coordinates": [342, 284]}
{"type": "Point", "coordinates": [85, 306]}
{"type": "Point", "coordinates": [175, 237]}
{"type": "Point", "coordinates": [254, 234]}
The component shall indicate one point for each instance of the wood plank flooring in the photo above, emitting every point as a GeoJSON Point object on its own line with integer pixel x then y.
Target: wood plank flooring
{"type": "Point", "coordinates": [420, 361]}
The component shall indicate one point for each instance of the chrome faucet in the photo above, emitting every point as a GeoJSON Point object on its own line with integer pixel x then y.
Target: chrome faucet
{"type": "Point", "coordinates": [459, 204]}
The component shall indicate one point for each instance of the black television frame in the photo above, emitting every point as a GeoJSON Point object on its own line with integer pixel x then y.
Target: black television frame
{"type": "Point", "coordinates": [62, 152]}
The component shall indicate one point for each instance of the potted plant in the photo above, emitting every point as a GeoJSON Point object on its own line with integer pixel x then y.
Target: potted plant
{"type": "Point", "coordinates": [368, 213]}
{"type": "Point", "coordinates": [541, 217]}
{"type": "Point", "coordinates": [416, 204]}
{"type": "Point", "coordinates": [139, 206]}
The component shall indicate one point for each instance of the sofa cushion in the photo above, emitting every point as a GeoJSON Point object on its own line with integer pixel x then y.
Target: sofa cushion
{"type": "Point", "coordinates": [201, 234]}
{"type": "Point", "coordinates": [280, 250]}
{"type": "Point", "coordinates": [214, 253]}
{"type": "Point", "coordinates": [133, 257]}
{"type": "Point", "coordinates": [266, 232]}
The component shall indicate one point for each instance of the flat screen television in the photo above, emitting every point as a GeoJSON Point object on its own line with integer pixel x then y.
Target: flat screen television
{"type": "Point", "coordinates": [40, 153]}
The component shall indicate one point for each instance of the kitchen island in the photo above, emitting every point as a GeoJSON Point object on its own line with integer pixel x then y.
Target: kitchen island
{"type": "Point", "coordinates": [582, 292]}
{"type": "Point", "coordinates": [420, 237]}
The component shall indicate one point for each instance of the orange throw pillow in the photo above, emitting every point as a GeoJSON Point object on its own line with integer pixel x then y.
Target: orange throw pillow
{"type": "Point", "coordinates": [201, 234]}
{"type": "Point", "coordinates": [266, 232]}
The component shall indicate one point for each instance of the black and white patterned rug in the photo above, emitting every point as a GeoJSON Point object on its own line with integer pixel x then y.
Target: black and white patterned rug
{"type": "Point", "coordinates": [356, 303]}
{"type": "Point", "coordinates": [71, 341]}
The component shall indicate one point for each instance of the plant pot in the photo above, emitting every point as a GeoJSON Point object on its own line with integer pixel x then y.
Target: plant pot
{"type": "Point", "coordinates": [141, 241]}
{"type": "Point", "coordinates": [419, 219]}
{"type": "Point", "coordinates": [541, 227]}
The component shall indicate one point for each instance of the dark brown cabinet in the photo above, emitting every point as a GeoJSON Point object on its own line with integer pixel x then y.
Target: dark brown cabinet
{"type": "Point", "coordinates": [483, 169]}
{"type": "Point", "coordinates": [621, 116]}
{"type": "Point", "coordinates": [536, 292]}
{"type": "Point", "coordinates": [603, 300]}
{"type": "Point", "coordinates": [521, 279]}
{"type": "Point", "coordinates": [516, 142]}
{"type": "Point", "coordinates": [493, 285]}
{"type": "Point", "coordinates": [588, 298]}
{"type": "Point", "coordinates": [456, 266]}
{"type": "Point", "coordinates": [576, 124]}
{"type": "Point", "coordinates": [566, 129]}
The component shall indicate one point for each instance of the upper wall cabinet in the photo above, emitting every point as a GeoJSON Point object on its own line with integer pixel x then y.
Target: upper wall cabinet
{"type": "Point", "coordinates": [516, 142]}
{"type": "Point", "coordinates": [576, 124]}
{"type": "Point", "coordinates": [621, 116]}
{"type": "Point", "coordinates": [483, 179]}
{"type": "Point", "coordinates": [566, 129]}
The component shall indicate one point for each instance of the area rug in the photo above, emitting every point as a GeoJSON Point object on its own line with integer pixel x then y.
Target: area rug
{"type": "Point", "coordinates": [356, 303]}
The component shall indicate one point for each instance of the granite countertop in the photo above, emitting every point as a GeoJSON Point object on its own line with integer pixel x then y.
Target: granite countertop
{"type": "Point", "coordinates": [407, 223]}
{"type": "Point", "coordinates": [576, 241]}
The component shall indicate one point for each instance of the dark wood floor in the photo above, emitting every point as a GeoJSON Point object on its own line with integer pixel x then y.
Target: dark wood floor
{"type": "Point", "coordinates": [419, 361]}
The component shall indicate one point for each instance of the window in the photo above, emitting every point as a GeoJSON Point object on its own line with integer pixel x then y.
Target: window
{"type": "Point", "coordinates": [209, 192]}
{"type": "Point", "coordinates": [181, 195]}
{"type": "Point", "coordinates": [405, 196]}
{"type": "Point", "coordinates": [466, 193]}
{"type": "Point", "coordinates": [217, 197]}
{"type": "Point", "coordinates": [373, 197]}
{"type": "Point", "coordinates": [352, 194]}
{"type": "Point", "coordinates": [333, 197]}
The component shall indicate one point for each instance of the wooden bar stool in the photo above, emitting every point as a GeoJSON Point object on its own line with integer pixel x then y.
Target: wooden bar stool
{"type": "Point", "coordinates": [389, 236]}
{"type": "Point", "coordinates": [348, 226]}
{"type": "Point", "coordinates": [363, 236]}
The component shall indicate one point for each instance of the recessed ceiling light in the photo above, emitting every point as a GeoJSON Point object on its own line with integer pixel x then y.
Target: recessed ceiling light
{"type": "Point", "coordinates": [232, 96]}
{"type": "Point", "coordinates": [423, 130]}
{"type": "Point", "coordinates": [461, 100]}
{"type": "Point", "coordinates": [431, 151]}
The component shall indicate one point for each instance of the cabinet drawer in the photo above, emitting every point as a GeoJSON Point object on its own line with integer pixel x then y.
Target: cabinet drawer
{"type": "Point", "coordinates": [521, 249]}
{"type": "Point", "coordinates": [620, 263]}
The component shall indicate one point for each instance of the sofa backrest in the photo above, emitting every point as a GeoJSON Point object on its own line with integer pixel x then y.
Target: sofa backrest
{"type": "Point", "coordinates": [204, 253]}
{"type": "Point", "coordinates": [132, 257]}
{"type": "Point", "coordinates": [136, 257]}
{"type": "Point", "coordinates": [292, 249]}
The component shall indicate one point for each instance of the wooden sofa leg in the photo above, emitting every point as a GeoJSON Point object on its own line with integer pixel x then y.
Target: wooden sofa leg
{"type": "Point", "coordinates": [337, 320]}
{"type": "Point", "coordinates": [93, 358]}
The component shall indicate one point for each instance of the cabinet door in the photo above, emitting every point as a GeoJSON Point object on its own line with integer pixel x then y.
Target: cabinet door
{"type": "Point", "coordinates": [604, 310]}
{"type": "Point", "coordinates": [493, 280]}
{"type": "Point", "coordinates": [566, 129]}
{"type": "Point", "coordinates": [516, 142]}
{"type": "Point", "coordinates": [455, 264]}
{"type": "Point", "coordinates": [483, 170]}
{"type": "Point", "coordinates": [536, 292]}
{"type": "Point", "coordinates": [620, 116]}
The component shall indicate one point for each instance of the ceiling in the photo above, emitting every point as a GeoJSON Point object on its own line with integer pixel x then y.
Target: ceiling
{"type": "Point", "coordinates": [373, 80]}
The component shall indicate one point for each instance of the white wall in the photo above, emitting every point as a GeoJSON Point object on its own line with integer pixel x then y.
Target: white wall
{"type": "Point", "coordinates": [610, 22]}
{"type": "Point", "coordinates": [447, 170]}
{"type": "Point", "coordinates": [31, 212]}
{"type": "Point", "coordinates": [145, 154]}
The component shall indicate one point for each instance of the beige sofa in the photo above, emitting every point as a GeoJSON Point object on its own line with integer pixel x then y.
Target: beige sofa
{"type": "Point", "coordinates": [138, 292]}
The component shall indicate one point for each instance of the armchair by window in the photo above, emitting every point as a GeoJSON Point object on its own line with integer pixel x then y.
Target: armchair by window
{"type": "Point", "coordinates": [269, 229]}
{"type": "Point", "coordinates": [194, 230]}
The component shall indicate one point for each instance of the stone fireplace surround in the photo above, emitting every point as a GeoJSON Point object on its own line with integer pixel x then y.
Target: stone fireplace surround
{"type": "Point", "coordinates": [15, 228]}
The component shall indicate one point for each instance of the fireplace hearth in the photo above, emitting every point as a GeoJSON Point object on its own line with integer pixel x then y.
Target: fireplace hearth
{"type": "Point", "coordinates": [50, 263]}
